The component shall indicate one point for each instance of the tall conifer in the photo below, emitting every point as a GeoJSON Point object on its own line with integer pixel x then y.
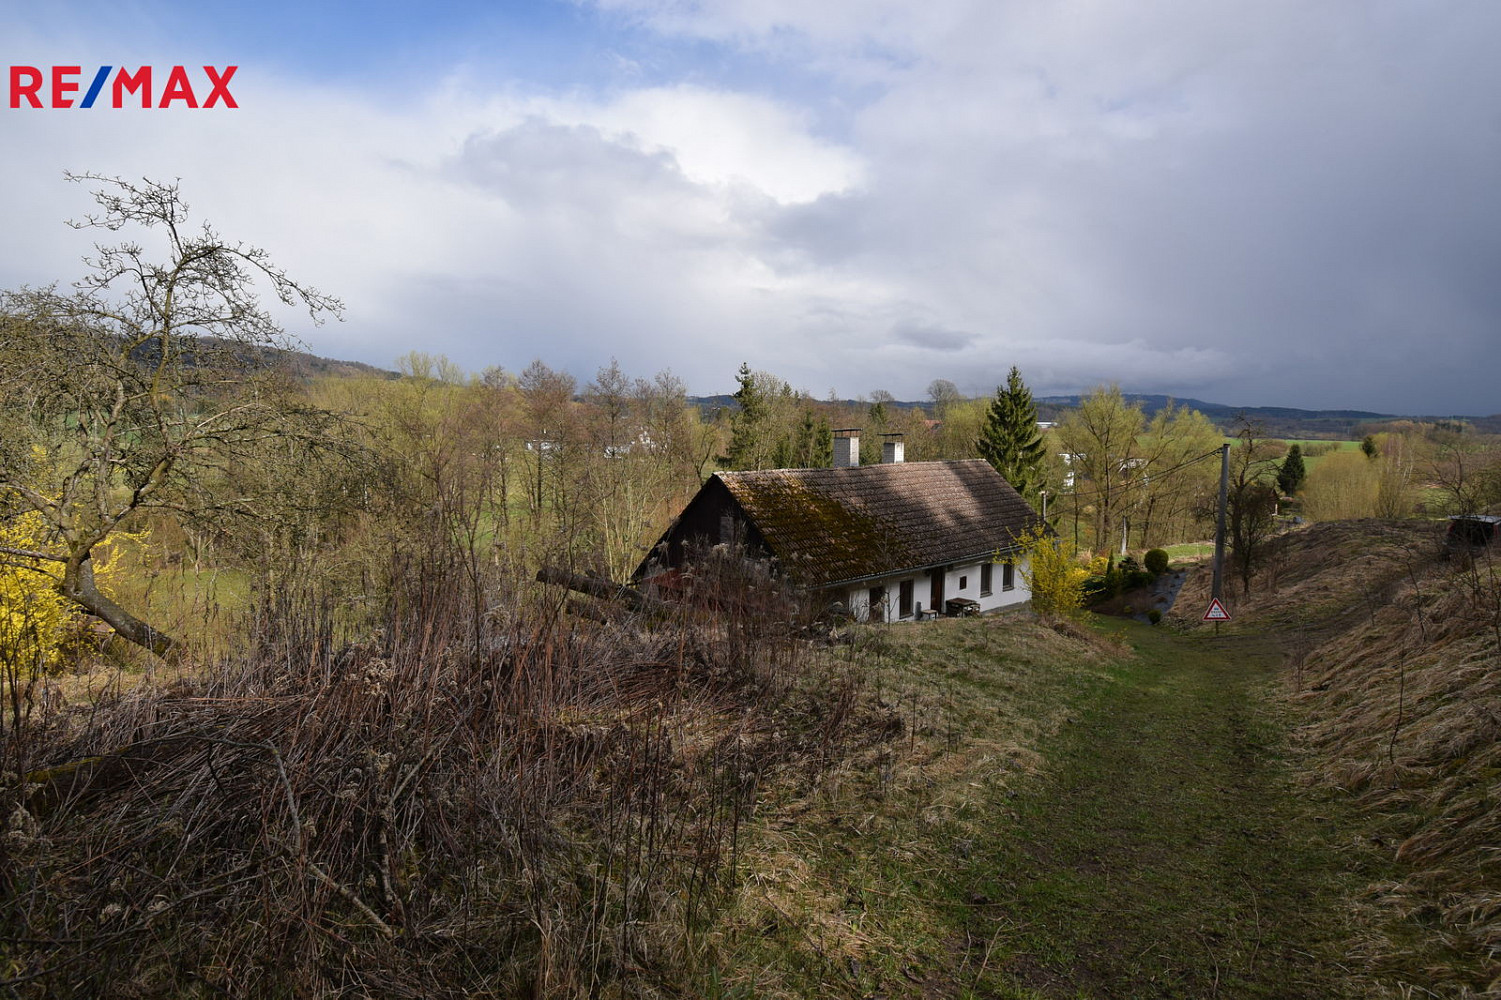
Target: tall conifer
{"type": "Point", "coordinates": [747, 424]}
{"type": "Point", "coordinates": [1011, 441]}
{"type": "Point", "coordinates": [1292, 472]}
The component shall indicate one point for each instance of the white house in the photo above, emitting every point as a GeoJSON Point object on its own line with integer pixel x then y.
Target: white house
{"type": "Point", "coordinates": [891, 541]}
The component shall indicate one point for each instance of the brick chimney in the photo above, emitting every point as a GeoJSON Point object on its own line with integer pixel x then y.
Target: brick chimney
{"type": "Point", "coordinates": [847, 448]}
{"type": "Point", "coordinates": [892, 449]}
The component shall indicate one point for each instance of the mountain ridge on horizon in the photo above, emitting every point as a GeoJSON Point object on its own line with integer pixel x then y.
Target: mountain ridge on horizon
{"type": "Point", "coordinates": [1277, 421]}
{"type": "Point", "coordinates": [1280, 421]}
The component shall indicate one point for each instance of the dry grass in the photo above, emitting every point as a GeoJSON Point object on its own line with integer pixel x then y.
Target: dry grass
{"type": "Point", "coordinates": [534, 804]}
{"type": "Point", "coordinates": [550, 804]}
{"type": "Point", "coordinates": [846, 889]}
{"type": "Point", "coordinates": [1395, 658]}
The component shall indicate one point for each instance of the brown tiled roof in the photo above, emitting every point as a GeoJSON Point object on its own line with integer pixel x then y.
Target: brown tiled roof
{"type": "Point", "coordinates": [830, 526]}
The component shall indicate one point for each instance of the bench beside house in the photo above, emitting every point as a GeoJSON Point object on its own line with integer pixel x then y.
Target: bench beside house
{"type": "Point", "coordinates": [892, 541]}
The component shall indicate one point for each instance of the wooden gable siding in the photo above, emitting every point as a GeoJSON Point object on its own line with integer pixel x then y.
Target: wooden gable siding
{"type": "Point", "coordinates": [702, 523]}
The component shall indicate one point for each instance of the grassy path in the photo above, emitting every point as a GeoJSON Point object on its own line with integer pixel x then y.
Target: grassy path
{"type": "Point", "coordinates": [1057, 822]}
{"type": "Point", "coordinates": [1164, 852]}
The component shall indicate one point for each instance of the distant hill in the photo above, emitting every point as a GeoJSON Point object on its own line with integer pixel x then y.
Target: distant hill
{"type": "Point", "coordinates": [1276, 421]}
{"type": "Point", "coordinates": [301, 364]}
{"type": "Point", "coordinates": [1150, 404]}
{"type": "Point", "coordinates": [306, 365]}
{"type": "Point", "coordinates": [1284, 421]}
{"type": "Point", "coordinates": [726, 401]}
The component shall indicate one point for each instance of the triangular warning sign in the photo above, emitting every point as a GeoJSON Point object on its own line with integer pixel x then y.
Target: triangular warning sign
{"type": "Point", "coordinates": [1216, 612]}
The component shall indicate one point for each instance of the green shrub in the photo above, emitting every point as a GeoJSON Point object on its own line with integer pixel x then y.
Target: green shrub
{"type": "Point", "coordinates": [1155, 561]}
{"type": "Point", "coordinates": [1130, 575]}
{"type": "Point", "coordinates": [1154, 616]}
{"type": "Point", "coordinates": [1113, 582]}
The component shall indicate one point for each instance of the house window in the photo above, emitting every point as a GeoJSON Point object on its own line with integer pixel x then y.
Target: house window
{"type": "Point", "coordinates": [1008, 576]}
{"type": "Point", "coordinates": [877, 604]}
{"type": "Point", "coordinates": [904, 599]}
{"type": "Point", "coordinates": [963, 582]}
{"type": "Point", "coordinates": [985, 579]}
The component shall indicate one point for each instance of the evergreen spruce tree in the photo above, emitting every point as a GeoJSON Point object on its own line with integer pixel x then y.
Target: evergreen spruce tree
{"type": "Point", "coordinates": [1010, 439]}
{"type": "Point", "coordinates": [747, 425]}
{"type": "Point", "coordinates": [1292, 473]}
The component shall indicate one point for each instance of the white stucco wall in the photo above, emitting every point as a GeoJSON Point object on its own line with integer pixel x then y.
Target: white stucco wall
{"type": "Point", "coordinates": [857, 599]}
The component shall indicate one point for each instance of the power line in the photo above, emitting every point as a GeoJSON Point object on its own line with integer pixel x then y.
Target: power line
{"type": "Point", "coordinates": [1138, 483]}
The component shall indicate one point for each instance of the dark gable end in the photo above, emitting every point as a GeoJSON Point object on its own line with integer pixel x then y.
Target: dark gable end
{"type": "Point", "coordinates": [834, 526]}
{"type": "Point", "coordinates": [712, 517]}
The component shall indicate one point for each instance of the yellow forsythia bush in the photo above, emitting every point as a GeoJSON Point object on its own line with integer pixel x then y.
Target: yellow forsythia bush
{"type": "Point", "coordinates": [33, 616]}
{"type": "Point", "coordinates": [1056, 581]}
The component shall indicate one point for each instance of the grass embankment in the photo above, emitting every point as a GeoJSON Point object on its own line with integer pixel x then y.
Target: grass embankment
{"type": "Point", "coordinates": [1394, 653]}
{"type": "Point", "coordinates": [1068, 820]}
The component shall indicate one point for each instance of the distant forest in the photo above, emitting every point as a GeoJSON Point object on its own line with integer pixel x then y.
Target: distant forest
{"type": "Point", "coordinates": [1278, 421]}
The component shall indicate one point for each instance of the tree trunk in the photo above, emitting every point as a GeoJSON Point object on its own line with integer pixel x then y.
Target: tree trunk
{"type": "Point", "coordinates": [78, 586]}
{"type": "Point", "coordinates": [597, 587]}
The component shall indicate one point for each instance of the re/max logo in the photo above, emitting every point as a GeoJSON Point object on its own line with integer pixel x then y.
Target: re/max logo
{"type": "Point", "coordinates": [31, 85]}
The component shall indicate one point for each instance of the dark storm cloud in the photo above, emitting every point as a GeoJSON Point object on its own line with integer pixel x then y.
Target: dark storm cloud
{"type": "Point", "coordinates": [1290, 203]}
{"type": "Point", "coordinates": [931, 338]}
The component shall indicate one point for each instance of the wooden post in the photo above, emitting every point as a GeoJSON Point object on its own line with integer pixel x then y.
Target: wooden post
{"type": "Point", "coordinates": [1219, 528]}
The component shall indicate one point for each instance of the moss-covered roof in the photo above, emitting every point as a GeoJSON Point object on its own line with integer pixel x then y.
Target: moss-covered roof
{"type": "Point", "coordinates": [830, 526]}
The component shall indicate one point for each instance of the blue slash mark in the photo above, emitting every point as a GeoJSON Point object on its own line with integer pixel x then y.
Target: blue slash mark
{"type": "Point", "coordinates": [95, 87]}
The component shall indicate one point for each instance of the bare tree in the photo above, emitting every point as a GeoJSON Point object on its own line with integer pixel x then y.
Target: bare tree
{"type": "Point", "coordinates": [1252, 500]}
{"type": "Point", "coordinates": [140, 390]}
{"type": "Point", "coordinates": [1394, 491]}
{"type": "Point", "coordinates": [1101, 439]}
{"type": "Point", "coordinates": [1176, 485]}
{"type": "Point", "coordinates": [610, 397]}
{"type": "Point", "coordinates": [1465, 469]}
{"type": "Point", "coordinates": [944, 394]}
{"type": "Point", "coordinates": [548, 406]}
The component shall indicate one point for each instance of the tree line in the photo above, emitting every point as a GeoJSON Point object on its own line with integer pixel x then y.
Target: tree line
{"type": "Point", "coordinates": [153, 404]}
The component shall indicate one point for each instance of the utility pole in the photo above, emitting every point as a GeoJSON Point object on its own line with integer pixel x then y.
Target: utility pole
{"type": "Point", "coordinates": [1219, 528]}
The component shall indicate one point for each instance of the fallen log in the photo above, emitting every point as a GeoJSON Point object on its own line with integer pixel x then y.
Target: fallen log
{"type": "Point", "coordinates": [599, 587]}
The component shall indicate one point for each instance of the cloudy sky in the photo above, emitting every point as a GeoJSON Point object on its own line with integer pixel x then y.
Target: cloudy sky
{"type": "Point", "coordinates": [1279, 202]}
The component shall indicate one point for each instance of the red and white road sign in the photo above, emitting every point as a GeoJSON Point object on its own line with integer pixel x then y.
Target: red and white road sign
{"type": "Point", "coordinates": [1216, 612]}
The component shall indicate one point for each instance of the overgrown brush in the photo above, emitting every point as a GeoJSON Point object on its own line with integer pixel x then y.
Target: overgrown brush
{"type": "Point", "coordinates": [1394, 654]}
{"type": "Point", "coordinates": [536, 803]}
{"type": "Point", "coordinates": [1406, 717]}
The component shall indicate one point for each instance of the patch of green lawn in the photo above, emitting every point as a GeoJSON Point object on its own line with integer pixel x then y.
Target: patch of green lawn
{"type": "Point", "coordinates": [1189, 551]}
